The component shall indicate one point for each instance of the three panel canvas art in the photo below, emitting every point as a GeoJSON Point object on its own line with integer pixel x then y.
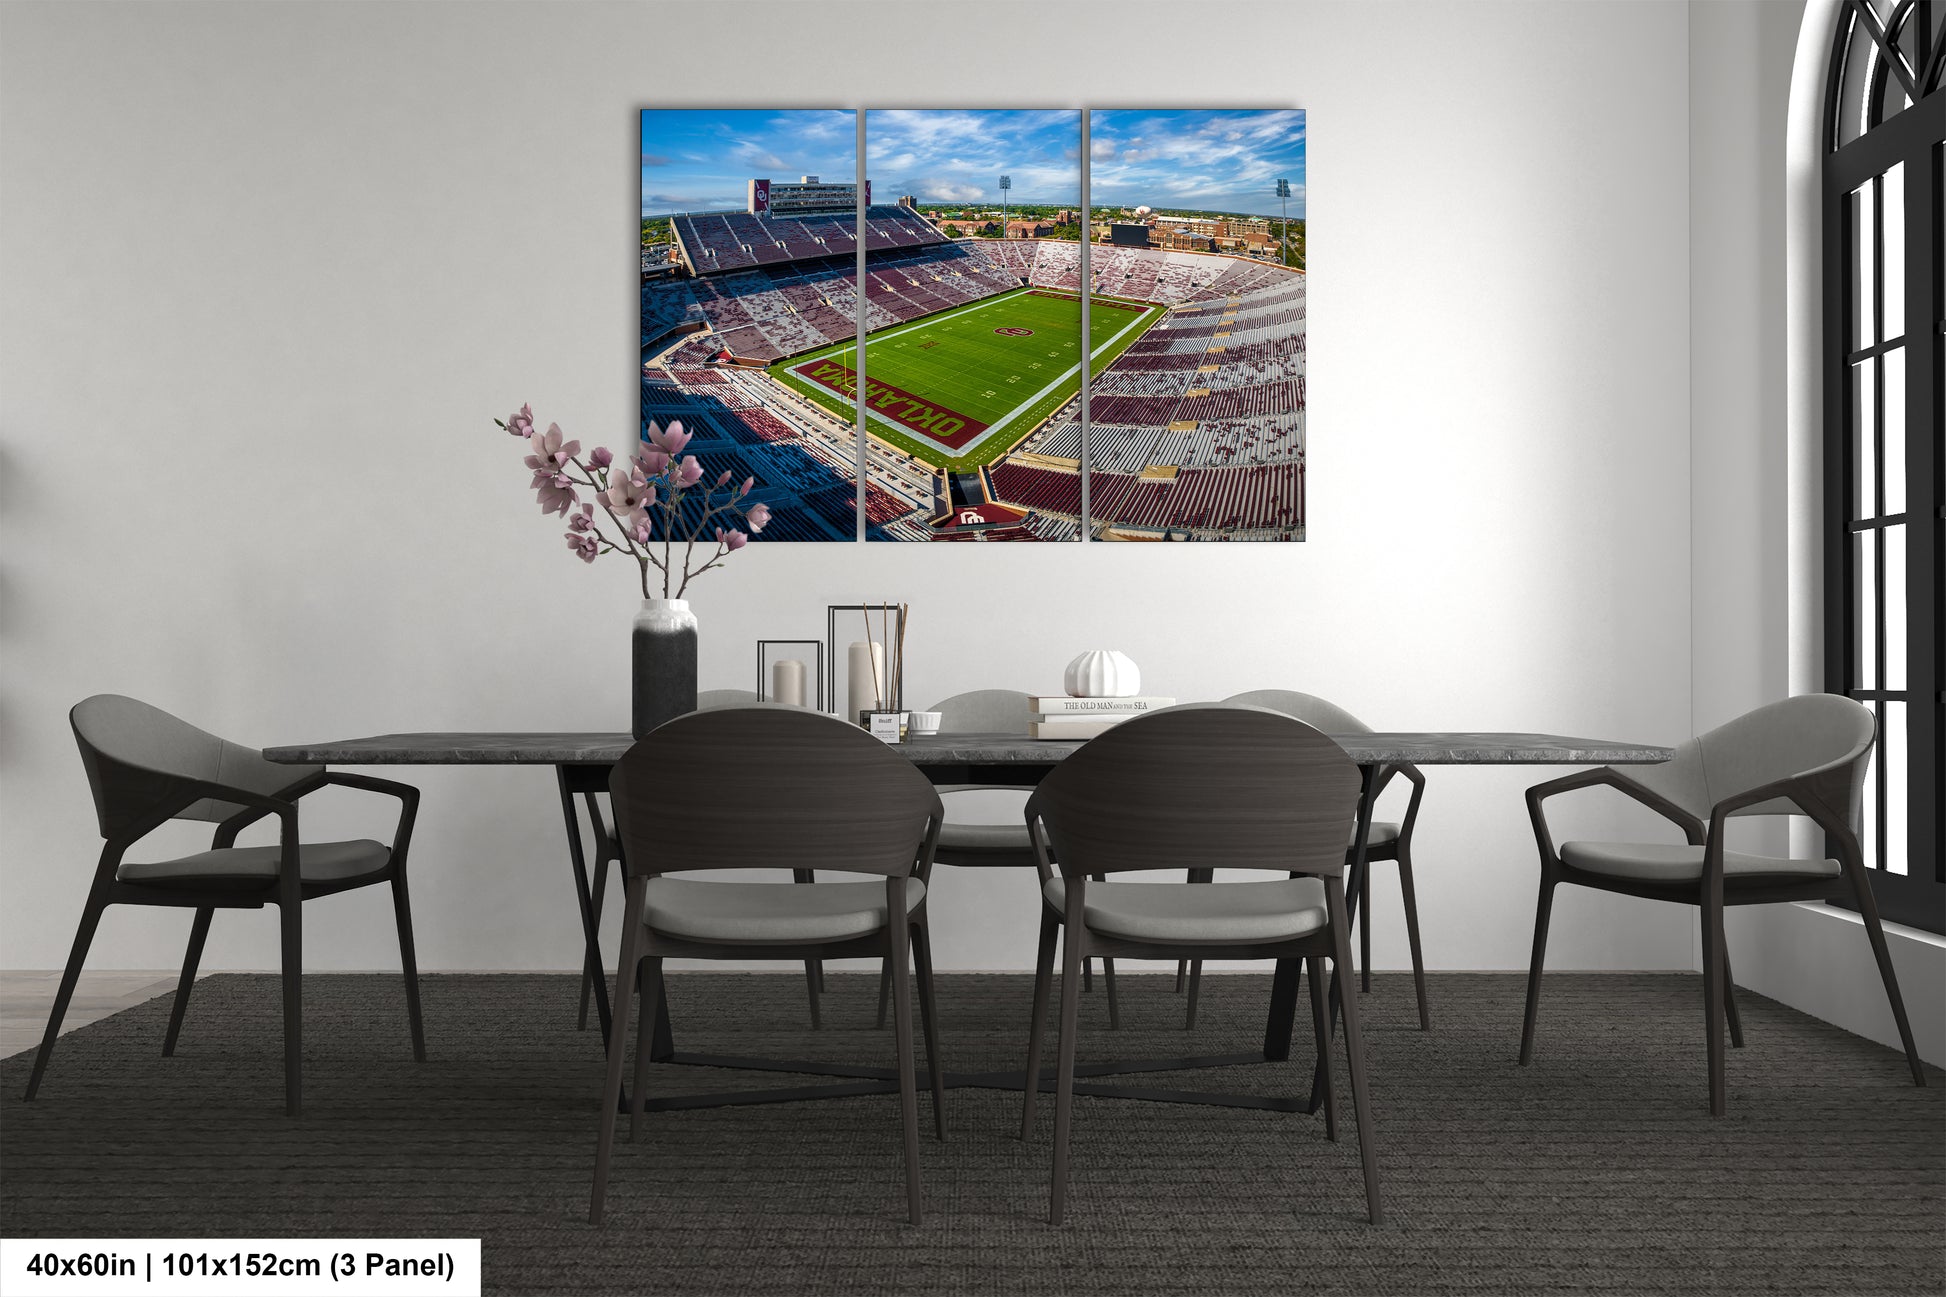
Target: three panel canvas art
{"type": "Point", "coordinates": [975, 302]}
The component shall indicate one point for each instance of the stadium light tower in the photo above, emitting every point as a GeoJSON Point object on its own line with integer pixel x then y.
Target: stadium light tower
{"type": "Point", "coordinates": [1284, 249]}
{"type": "Point", "coordinates": [1006, 183]}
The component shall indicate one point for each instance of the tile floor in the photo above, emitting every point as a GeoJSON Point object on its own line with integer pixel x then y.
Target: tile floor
{"type": "Point", "coordinates": [26, 998]}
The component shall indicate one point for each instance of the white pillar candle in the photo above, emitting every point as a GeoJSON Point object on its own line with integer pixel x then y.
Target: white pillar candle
{"type": "Point", "coordinates": [787, 682]}
{"type": "Point", "coordinates": [867, 663]}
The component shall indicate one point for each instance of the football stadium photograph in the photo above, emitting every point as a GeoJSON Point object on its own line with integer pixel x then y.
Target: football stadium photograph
{"type": "Point", "coordinates": [967, 282]}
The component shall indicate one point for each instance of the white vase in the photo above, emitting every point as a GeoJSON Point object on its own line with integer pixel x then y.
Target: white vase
{"type": "Point", "coordinates": [664, 664]}
{"type": "Point", "coordinates": [1103, 673]}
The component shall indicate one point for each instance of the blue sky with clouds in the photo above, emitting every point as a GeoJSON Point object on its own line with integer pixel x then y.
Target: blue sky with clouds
{"type": "Point", "coordinates": [1224, 160]}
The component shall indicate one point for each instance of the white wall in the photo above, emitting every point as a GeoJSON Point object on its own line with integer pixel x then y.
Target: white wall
{"type": "Point", "coordinates": [270, 271]}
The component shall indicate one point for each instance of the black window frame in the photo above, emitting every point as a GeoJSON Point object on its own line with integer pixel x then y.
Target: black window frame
{"type": "Point", "coordinates": [1886, 72]}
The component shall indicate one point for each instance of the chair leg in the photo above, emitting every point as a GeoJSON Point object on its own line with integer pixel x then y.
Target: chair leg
{"type": "Point", "coordinates": [1193, 966]}
{"type": "Point", "coordinates": [1365, 927]}
{"type": "Point", "coordinates": [1087, 977]}
{"type": "Point", "coordinates": [409, 961]}
{"type": "Point", "coordinates": [813, 968]}
{"type": "Point", "coordinates": [1543, 908]}
{"type": "Point", "coordinates": [83, 937]}
{"type": "Point", "coordinates": [929, 1022]}
{"type": "Point", "coordinates": [611, 1093]}
{"type": "Point", "coordinates": [1071, 961]}
{"type": "Point", "coordinates": [1043, 980]}
{"type": "Point", "coordinates": [1412, 934]}
{"type": "Point", "coordinates": [1361, 1106]}
{"type": "Point", "coordinates": [649, 974]}
{"type": "Point", "coordinates": [198, 933]}
{"type": "Point", "coordinates": [291, 920]}
{"type": "Point", "coordinates": [897, 935]}
{"type": "Point", "coordinates": [1868, 911]}
{"type": "Point", "coordinates": [1730, 1001]}
{"type": "Point", "coordinates": [1114, 1006]}
{"type": "Point", "coordinates": [1321, 1026]}
{"type": "Point", "coordinates": [1713, 995]}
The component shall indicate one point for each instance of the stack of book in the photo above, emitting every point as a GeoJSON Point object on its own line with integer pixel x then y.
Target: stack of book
{"type": "Point", "coordinates": [1083, 718]}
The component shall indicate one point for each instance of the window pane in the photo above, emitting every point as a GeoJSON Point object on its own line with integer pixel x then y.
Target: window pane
{"type": "Point", "coordinates": [1894, 219]}
{"type": "Point", "coordinates": [1864, 457]}
{"type": "Point", "coordinates": [1895, 607]}
{"type": "Point", "coordinates": [1862, 280]}
{"type": "Point", "coordinates": [1894, 438]}
{"type": "Point", "coordinates": [1893, 739]}
{"type": "Point", "coordinates": [1863, 641]}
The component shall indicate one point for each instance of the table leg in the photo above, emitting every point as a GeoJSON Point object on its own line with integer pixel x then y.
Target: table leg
{"type": "Point", "coordinates": [1354, 881]}
{"type": "Point", "coordinates": [590, 932]}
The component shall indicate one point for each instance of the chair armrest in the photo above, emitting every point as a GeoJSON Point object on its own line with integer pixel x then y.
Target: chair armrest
{"type": "Point", "coordinates": [1037, 838]}
{"type": "Point", "coordinates": [1412, 776]}
{"type": "Point", "coordinates": [1805, 790]}
{"type": "Point", "coordinates": [1609, 777]}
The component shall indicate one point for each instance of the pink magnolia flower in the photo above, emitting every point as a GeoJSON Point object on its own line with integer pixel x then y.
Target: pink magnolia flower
{"type": "Point", "coordinates": [651, 463]}
{"type": "Point", "coordinates": [601, 457]}
{"type": "Point", "coordinates": [627, 497]}
{"type": "Point", "coordinates": [733, 540]}
{"type": "Point", "coordinates": [744, 490]}
{"type": "Point", "coordinates": [669, 441]}
{"type": "Point", "coordinates": [555, 492]}
{"type": "Point", "coordinates": [689, 472]}
{"type": "Point", "coordinates": [642, 531]}
{"type": "Point", "coordinates": [756, 516]}
{"type": "Point", "coordinates": [521, 422]}
{"type": "Point", "coordinates": [552, 450]}
{"type": "Point", "coordinates": [723, 479]}
{"type": "Point", "coordinates": [584, 519]}
{"type": "Point", "coordinates": [584, 544]}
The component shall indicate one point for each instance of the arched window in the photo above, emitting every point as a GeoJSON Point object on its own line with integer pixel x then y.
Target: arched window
{"type": "Point", "coordinates": [1884, 206]}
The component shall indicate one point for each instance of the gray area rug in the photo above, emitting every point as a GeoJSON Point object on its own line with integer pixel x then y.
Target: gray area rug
{"type": "Point", "coordinates": [1596, 1170]}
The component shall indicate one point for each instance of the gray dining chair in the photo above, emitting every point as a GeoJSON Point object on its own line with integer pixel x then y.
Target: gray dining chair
{"type": "Point", "coordinates": [607, 852]}
{"type": "Point", "coordinates": [1222, 786]}
{"type": "Point", "coordinates": [993, 846]}
{"type": "Point", "coordinates": [145, 768]}
{"type": "Point", "coordinates": [1387, 840]}
{"type": "Point", "coordinates": [1802, 756]}
{"type": "Point", "coordinates": [748, 788]}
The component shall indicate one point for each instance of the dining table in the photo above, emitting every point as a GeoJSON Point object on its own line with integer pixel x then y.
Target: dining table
{"type": "Point", "coordinates": [582, 762]}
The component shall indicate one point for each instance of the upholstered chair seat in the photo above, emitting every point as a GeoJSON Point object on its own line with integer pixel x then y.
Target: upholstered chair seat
{"type": "Point", "coordinates": [785, 914]}
{"type": "Point", "coordinates": [1169, 912]}
{"type": "Point", "coordinates": [247, 867]}
{"type": "Point", "coordinates": [1660, 862]}
{"type": "Point", "coordinates": [955, 836]}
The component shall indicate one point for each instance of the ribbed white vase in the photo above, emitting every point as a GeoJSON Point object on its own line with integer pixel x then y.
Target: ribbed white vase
{"type": "Point", "coordinates": [1103, 673]}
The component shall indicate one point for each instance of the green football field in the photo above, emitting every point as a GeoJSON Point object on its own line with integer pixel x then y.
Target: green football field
{"type": "Point", "coordinates": [961, 388]}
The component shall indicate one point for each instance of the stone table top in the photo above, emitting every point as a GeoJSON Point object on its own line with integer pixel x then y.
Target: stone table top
{"type": "Point", "coordinates": [439, 748]}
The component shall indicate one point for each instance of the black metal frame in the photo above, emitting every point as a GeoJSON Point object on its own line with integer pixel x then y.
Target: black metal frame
{"type": "Point", "coordinates": [894, 661]}
{"type": "Point", "coordinates": [763, 679]}
{"type": "Point", "coordinates": [1873, 64]}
